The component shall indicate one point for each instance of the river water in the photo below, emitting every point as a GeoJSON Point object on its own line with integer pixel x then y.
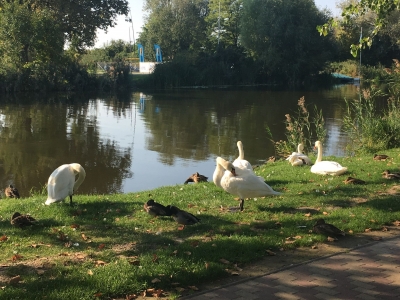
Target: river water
{"type": "Point", "coordinates": [137, 141]}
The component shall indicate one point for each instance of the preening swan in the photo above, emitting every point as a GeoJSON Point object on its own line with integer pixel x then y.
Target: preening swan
{"type": "Point", "coordinates": [62, 182]}
{"type": "Point", "coordinates": [296, 161]}
{"type": "Point", "coordinates": [242, 182]}
{"type": "Point", "coordinates": [240, 162]}
{"type": "Point", "coordinates": [326, 167]}
{"type": "Point", "coordinates": [300, 155]}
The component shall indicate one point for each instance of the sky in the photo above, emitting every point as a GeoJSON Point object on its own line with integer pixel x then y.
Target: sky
{"type": "Point", "coordinates": [123, 29]}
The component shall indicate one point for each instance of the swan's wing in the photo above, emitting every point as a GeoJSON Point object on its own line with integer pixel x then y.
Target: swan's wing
{"type": "Point", "coordinates": [242, 164]}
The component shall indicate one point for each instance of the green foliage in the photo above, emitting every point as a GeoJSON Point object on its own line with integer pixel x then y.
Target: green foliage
{"type": "Point", "coordinates": [223, 22]}
{"type": "Point", "coordinates": [281, 36]}
{"type": "Point", "coordinates": [176, 25]}
{"type": "Point", "coordinates": [348, 67]}
{"type": "Point", "coordinates": [301, 129]}
{"type": "Point", "coordinates": [107, 246]}
{"type": "Point", "coordinates": [369, 127]}
{"type": "Point", "coordinates": [382, 10]}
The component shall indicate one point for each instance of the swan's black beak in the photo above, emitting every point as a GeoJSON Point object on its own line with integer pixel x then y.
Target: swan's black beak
{"type": "Point", "coordinates": [233, 172]}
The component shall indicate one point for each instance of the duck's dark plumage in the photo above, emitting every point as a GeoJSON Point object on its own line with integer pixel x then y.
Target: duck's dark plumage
{"type": "Point", "coordinates": [380, 157]}
{"type": "Point", "coordinates": [327, 229]}
{"type": "Point", "coordinates": [196, 177]}
{"type": "Point", "coordinates": [22, 220]}
{"type": "Point", "coordinates": [352, 180]}
{"type": "Point", "coordinates": [156, 209]}
{"type": "Point", "coordinates": [183, 217]}
{"type": "Point", "coordinates": [11, 192]}
{"type": "Point", "coordinates": [390, 175]}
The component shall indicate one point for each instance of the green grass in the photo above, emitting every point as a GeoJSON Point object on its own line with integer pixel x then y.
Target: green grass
{"type": "Point", "coordinates": [106, 246]}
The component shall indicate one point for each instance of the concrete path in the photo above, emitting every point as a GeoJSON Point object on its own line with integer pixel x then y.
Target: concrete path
{"type": "Point", "coordinates": [367, 272]}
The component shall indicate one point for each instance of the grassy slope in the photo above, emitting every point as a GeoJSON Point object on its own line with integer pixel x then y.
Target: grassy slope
{"type": "Point", "coordinates": [107, 246]}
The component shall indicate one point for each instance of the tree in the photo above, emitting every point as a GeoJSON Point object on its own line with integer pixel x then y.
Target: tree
{"type": "Point", "coordinates": [281, 35]}
{"type": "Point", "coordinates": [223, 22]}
{"type": "Point", "coordinates": [382, 9]}
{"type": "Point", "coordinates": [176, 25]}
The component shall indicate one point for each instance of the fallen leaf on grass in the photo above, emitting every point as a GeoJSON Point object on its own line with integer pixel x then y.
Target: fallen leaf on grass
{"type": "Point", "coordinates": [101, 246]}
{"type": "Point", "coordinates": [351, 231]}
{"type": "Point", "coordinates": [155, 280]}
{"type": "Point", "coordinates": [16, 257]}
{"type": "Point", "coordinates": [3, 238]}
{"type": "Point", "coordinates": [15, 280]}
{"type": "Point", "coordinates": [224, 261]}
{"type": "Point", "coordinates": [188, 253]}
{"type": "Point", "coordinates": [368, 229]}
{"type": "Point", "coordinates": [270, 252]}
{"type": "Point", "coordinates": [74, 226]}
{"type": "Point", "coordinates": [325, 213]}
{"type": "Point", "coordinates": [40, 272]}
{"type": "Point", "coordinates": [155, 258]}
{"type": "Point", "coordinates": [84, 236]}
{"type": "Point", "coordinates": [331, 239]}
{"type": "Point", "coordinates": [396, 223]}
{"type": "Point", "coordinates": [307, 215]}
{"type": "Point", "coordinates": [100, 263]}
{"type": "Point", "coordinates": [90, 272]}
{"type": "Point", "coordinates": [98, 294]}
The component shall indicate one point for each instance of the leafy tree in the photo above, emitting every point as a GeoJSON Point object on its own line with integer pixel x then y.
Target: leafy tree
{"type": "Point", "coordinates": [281, 35]}
{"type": "Point", "coordinates": [382, 10]}
{"type": "Point", "coordinates": [176, 25]}
{"type": "Point", "coordinates": [223, 22]}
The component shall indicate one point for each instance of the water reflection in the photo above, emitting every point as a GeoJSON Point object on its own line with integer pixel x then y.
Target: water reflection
{"type": "Point", "coordinates": [137, 141]}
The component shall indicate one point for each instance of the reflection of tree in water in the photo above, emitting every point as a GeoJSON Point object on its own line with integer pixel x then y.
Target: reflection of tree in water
{"type": "Point", "coordinates": [199, 129]}
{"type": "Point", "coordinates": [37, 138]}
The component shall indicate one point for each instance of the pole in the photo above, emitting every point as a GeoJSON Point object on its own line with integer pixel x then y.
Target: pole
{"type": "Point", "coordinates": [219, 18]}
{"type": "Point", "coordinates": [359, 71]}
{"type": "Point", "coordinates": [133, 31]}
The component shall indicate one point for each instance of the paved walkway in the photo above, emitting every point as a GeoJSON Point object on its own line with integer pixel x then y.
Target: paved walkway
{"type": "Point", "coordinates": [367, 272]}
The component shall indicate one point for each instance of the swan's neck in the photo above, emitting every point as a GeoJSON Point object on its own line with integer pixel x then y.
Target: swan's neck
{"type": "Point", "coordinates": [299, 148]}
{"type": "Point", "coordinates": [319, 155]}
{"type": "Point", "coordinates": [241, 152]}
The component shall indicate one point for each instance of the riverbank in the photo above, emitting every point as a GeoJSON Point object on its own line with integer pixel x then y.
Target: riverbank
{"type": "Point", "coordinates": [107, 246]}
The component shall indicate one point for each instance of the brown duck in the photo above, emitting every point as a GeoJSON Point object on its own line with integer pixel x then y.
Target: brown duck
{"type": "Point", "coordinates": [19, 220]}
{"type": "Point", "coordinates": [380, 157]}
{"type": "Point", "coordinates": [156, 209]}
{"type": "Point", "coordinates": [352, 180]}
{"type": "Point", "coordinates": [183, 217]}
{"type": "Point", "coordinates": [326, 229]}
{"type": "Point", "coordinates": [11, 192]}
{"type": "Point", "coordinates": [196, 177]}
{"type": "Point", "coordinates": [390, 175]}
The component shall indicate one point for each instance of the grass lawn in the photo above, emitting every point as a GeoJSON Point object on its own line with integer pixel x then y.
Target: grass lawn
{"type": "Point", "coordinates": [107, 246]}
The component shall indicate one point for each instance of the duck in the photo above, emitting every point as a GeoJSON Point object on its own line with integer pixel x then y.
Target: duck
{"type": "Point", "coordinates": [156, 209]}
{"type": "Point", "coordinates": [62, 184]}
{"type": "Point", "coordinates": [11, 192]}
{"type": "Point", "coordinates": [380, 157]}
{"type": "Point", "coordinates": [183, 217]}
{"type": "Point", "coordinates": [19, 220]}
{"type": "Point", "coordinates": [324, 167]}
{"type": "Point", "coordinates": [296, 161]}
{"type": "Point", "coordinates": [353, 180]}
{"type": "Point", "coordinates": [196, 177]}
{"type": "Point", "coordinates": [240, 162]}
{"type": "Point", "coordinates": [327, 229]}
{"type": "Point", "coordinates": [300, 155]}
{"type": "Point", "coordinates": [243, 183]}
{"type": "Point", "coordinates": [390, 175]}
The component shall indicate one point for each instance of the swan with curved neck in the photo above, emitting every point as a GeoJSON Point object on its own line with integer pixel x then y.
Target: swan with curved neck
{"type": "Point", "coordinates": [324, 167]}
{"type": "Point", "coordinates": [242, 182]}
{"type": "Point", "coordinates": [62, 182]}
{"type": "Point", "coordinates": [240, 162]}
{"type": "Point", "coordinates": [300, 155]}
{"type": "Point", "coordinates": [296, 161]}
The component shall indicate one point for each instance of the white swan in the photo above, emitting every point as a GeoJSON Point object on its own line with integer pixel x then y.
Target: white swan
{"type": "Point", "coordinates": [326, 167]}
{"type": "Point", "coordinates": [242, 182]}
{"type": "Point", "coordinates": [300, 154]}
{"type": "Point", "coordinates": [296, 161]}
{"type": "Point", "coordinates": [62, 182]}
{"type": "Point", "coordinates": [240, 162]}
